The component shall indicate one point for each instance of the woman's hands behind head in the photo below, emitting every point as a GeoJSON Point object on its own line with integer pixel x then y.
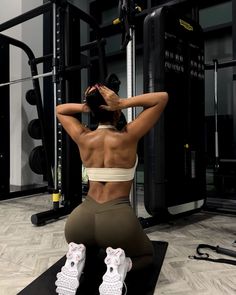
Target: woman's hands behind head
{"type": "Point", "coordinates": [110, 97]}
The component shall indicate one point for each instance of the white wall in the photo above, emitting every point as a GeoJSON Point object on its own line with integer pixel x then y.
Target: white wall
{"type": "Point", "coordinates": [221, 49]}
{"type": "Point", "coordinates": [9, 10]}
{"type": "Point", "coordinates": [21, 113]}
{"type": "Point", "coordinates": [32, 35]}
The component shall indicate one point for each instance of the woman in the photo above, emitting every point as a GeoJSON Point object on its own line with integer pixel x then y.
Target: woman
{"type": "Point", "coordinates": [105, 219]}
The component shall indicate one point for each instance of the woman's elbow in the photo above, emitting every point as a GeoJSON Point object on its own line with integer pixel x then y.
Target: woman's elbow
{"type": "Point", "coordinates": [166, 96]}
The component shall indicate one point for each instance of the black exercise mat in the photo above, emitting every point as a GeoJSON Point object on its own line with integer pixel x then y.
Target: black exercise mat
{"type": "Point", "coordinates": [138, 282]}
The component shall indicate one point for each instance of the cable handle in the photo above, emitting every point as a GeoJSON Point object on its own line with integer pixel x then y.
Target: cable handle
{"type": "Point", "coordinates": [200, 246]}
{"type": "Point", "coordinates": [225, 251]}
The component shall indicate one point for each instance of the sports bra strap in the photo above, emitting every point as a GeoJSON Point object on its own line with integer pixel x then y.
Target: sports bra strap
{"type": "Point", "coordinates": [112, 174]}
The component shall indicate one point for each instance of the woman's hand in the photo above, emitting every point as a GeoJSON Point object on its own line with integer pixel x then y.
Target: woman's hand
{"type": "Point", "coordinates": [111, 98]}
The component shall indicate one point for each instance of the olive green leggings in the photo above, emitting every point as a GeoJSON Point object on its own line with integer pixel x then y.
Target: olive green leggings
{"type": "Point", "coordinates": [110, 224]}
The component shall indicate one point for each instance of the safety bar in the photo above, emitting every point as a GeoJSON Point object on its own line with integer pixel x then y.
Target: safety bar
{"type": "Point", "coordinates": [92, 44]}
{"type": "Point", "coordinates": [17, 43]}
{"type": "Point", "coordinates": [42, 59]}
{"type": "Point", "coordinates": [25, 16]}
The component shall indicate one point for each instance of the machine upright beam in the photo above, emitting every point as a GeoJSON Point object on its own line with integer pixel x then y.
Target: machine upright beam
{"type": "Point", "coordinates": [25, 16]}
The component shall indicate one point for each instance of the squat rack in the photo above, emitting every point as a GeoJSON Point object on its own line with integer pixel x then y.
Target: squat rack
{"type": "Point", "coordinates": [54, 167]}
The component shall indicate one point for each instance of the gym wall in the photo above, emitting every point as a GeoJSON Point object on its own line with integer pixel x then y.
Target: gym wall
{"type": "Point", "coordinates": [218, 47]}
{"type": "Point", "coordinates": [11, 10]}
{"type": "Point", "coordinates": [32, 35]}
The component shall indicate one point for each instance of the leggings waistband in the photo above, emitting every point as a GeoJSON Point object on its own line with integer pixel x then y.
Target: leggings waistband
{"type": "Point", "coordinates": [103, 206]}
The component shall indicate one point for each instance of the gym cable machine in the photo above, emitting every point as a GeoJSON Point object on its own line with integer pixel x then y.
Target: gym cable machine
{"type": "Point", "coordinates": [174, 169]}
{"type": "Point", "coordinates": [127, 11]}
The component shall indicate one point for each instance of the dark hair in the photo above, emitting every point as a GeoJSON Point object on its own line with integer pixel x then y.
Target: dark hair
{"type": "Point", "coordinates": [112, 82]}
{"type": "Point", "coordinates": [94, 100]}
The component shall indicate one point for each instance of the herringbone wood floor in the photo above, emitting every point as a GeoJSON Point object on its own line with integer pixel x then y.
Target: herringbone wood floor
{"type": "Point", "coordinates": [26, 250]}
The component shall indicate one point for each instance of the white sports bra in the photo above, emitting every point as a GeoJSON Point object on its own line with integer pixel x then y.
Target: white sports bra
{"type": "Point", "coordinates": [111, 174]}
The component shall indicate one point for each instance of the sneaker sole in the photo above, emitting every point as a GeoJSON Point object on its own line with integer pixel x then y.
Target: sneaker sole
{"type": "Point", "coordinates": [112, 283]}
{"type": "Point", "coordinates": [68, 279]}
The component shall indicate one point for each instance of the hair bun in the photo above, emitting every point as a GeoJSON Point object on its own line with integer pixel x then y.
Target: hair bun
{"type": "Point", "coordinates": [112, 82]}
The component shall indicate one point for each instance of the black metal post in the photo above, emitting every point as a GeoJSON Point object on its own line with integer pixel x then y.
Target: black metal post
{"type": "Point", "coordinates": [234, 70]}
{"type": "Point", "coordinates": [234, 29]}
{"type": "Point", "coordinates": [43, 59]}
{"type": "Point", "coordinates": [91, 45]}
{"type": "Point", "coordinates": [25, 16]}
{"type": "Point", "coordinates": [4, 121]}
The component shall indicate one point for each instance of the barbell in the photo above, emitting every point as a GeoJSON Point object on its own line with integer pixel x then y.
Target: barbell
{"type": "Point", "coordinates": [68, 69]}
{"type": "Point", "coordinates": [27, 78]}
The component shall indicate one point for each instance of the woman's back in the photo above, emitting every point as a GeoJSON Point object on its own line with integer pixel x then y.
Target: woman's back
{"type": "Point", "coordinates": [104, 148]}
{"type": "Point", "coordinates": [107, 148]}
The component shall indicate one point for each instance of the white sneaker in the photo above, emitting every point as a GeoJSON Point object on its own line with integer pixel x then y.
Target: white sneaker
{"type": "Point", "coordinates": [68, 279]}
{"type": "Point", "coordinates": [117, 267]}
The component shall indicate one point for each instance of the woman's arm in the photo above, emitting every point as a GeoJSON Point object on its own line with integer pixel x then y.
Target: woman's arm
{"type": "Point", "coordinates": [153, 104]}
{"type": "Point", "coordinates": [65, 114]}
{"type": "Point", "coordinates": [147, 100]}
{"type": "Point", "coordinates": [72, 108]}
